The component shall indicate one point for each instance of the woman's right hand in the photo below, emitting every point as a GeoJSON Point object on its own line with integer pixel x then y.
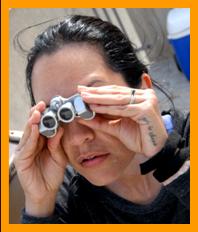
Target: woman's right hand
{"type": "Point", "coordinates": [40, 165]}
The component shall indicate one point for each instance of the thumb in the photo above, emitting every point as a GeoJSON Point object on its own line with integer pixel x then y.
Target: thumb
{"type": "Point", "coordinates": [105, 125]}
{"type": "Point", "coordinates": [55, 148]}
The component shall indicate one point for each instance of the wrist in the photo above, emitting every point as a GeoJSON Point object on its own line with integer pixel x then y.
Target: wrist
{"type": "Point", "coordinates": [40, 208]}
{"type": "Point", "coordinates": [169, 160]}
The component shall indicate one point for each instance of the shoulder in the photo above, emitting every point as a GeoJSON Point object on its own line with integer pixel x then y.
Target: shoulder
{"type": "Point", "coordinates": [180, 187]}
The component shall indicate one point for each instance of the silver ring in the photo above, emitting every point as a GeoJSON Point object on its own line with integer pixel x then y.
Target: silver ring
{"type": "Point", "coordinates": [132, 99]}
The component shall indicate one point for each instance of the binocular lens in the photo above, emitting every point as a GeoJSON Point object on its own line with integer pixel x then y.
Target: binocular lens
{"type": "Point", "coordinates": [63, 110]}
{"type": "Point", "coordinates": [66, 114]}
{"type": "Point", "coordinates": [49, 122]}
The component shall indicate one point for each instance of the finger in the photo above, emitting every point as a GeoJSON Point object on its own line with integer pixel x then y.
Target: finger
{"type": "Point", "coordinates": [134, 111]}
{"type": "Point", "coordinates": [106, 99]}
{"type": "Point", "coordinates": [111, 89]}
{"type": "Point", "coordinates": [34, 119]}
{"type": "Point", "coordinates": [119, 110]}
{"type": "Point", "coordinates": [101, 124]}
{"type": "Point", "coordinates": [110, 99]}
{"type": "Point", "coordinates": [29, 149]}
{"type": "Point", "coordinates": [40, 107]}
{"type": "Point", "coordinates": [56, 150]}
{"type": "Point", "coordinates": [35, 115]}
{"type": "Point", "coordinates": [41, 143]}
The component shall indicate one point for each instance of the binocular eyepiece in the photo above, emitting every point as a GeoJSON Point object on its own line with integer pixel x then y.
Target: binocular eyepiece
{"type": "Point", "coordinates": [63, 110]}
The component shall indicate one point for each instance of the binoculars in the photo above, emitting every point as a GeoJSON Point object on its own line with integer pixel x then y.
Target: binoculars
{"type": "Point", "coordinates": [63, 110]}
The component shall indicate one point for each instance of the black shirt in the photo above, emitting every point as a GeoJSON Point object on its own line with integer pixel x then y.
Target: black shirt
{"type": "Point", "coordinates": [89, 204]}
{"type": "Point", "coordinates": [80, 202]}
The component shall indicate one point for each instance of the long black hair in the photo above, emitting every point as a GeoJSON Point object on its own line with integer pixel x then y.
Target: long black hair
{"type": "Point", "coordinates": [117, 50]}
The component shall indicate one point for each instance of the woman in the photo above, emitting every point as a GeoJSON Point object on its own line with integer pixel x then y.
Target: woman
{"type": "Point", "coordinates": [122, 156]}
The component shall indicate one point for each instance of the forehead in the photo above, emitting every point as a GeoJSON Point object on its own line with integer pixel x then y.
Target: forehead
{"type": "Point", "coordinates": [59, 73]}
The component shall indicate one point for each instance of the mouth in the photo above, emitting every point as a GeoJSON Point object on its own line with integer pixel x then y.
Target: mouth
{"type": "Point", "coordinates": [92, 159]}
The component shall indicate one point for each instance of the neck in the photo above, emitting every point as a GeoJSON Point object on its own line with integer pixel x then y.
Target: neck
{"type": "Point", "coordinates": [134, 187]}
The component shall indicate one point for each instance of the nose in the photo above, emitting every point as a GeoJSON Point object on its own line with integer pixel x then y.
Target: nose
{"type": "Point", "coordinates": [76, 134]}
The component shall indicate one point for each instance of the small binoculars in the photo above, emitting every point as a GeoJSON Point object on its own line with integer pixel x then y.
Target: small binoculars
{"type": "Point", "coordinates": [63, 110]}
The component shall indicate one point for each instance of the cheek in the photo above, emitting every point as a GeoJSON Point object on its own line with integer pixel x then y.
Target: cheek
{"type": "Point", "coordinates": [110, 170]}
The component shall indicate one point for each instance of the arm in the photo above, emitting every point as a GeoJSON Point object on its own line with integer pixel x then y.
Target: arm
{"type": "Point", "coordinates": [40, 165]}
{"type": "Point", "coordinates": [61, 213]}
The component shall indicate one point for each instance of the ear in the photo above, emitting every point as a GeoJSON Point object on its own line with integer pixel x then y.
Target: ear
{"type": "Point", "coordinates": [146, 81]}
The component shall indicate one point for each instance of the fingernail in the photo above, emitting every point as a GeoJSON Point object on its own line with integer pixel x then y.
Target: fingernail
{"type": "Point", "coordinates": [82, 87]}
{"type": "Point", "coordinates": [85, 94]}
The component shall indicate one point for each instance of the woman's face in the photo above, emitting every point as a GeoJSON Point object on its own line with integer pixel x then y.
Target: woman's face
{"type": "Point", "coordinates": [99, 157]}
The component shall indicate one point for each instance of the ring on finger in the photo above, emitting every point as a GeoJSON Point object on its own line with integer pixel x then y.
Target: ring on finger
{"type": "Point", "coordinates": [132, 98]}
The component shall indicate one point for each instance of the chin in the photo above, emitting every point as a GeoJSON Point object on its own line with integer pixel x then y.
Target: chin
{"type": "Point", "coordinates": [101, 180]}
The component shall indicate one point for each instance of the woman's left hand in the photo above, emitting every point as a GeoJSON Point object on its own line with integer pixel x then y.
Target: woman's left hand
{"type": "Point", "coordinates": [138, 125]}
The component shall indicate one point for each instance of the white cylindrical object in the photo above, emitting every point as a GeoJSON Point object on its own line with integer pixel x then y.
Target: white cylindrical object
{"type": "Point", "coordinates": [178, 23]}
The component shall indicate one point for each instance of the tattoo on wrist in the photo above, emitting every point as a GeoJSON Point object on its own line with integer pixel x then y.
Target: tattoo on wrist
{"type": "Point", "coordinates": [145, 121]}
{"type": "Point", "coordinates": [152, 136]}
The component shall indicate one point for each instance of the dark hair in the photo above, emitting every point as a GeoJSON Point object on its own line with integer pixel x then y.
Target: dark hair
{"type": "Point", "coordinates": [117, 50]}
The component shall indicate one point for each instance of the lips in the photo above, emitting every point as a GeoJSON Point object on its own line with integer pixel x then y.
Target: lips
{"type": "Point", "coordinates": [92, 159]}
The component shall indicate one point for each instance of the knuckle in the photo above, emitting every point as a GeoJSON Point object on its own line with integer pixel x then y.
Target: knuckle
{"type": "Point", "coordinates": [120, 98]}
{"type": "Point", "coordinates": [121, 110]}
{"type": "Point", "coordinates": [125, 110]}
{"type": "Point", "coordinates": [122, 107]}
{"type": "Point", "coordinates": [148, 106]}
{"type": "Point", "coordinates": [151, 97]}
{"type": "Point", "coordinates": [154, 100]}
{"type": "Point", "coordinates": [151, 91]}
